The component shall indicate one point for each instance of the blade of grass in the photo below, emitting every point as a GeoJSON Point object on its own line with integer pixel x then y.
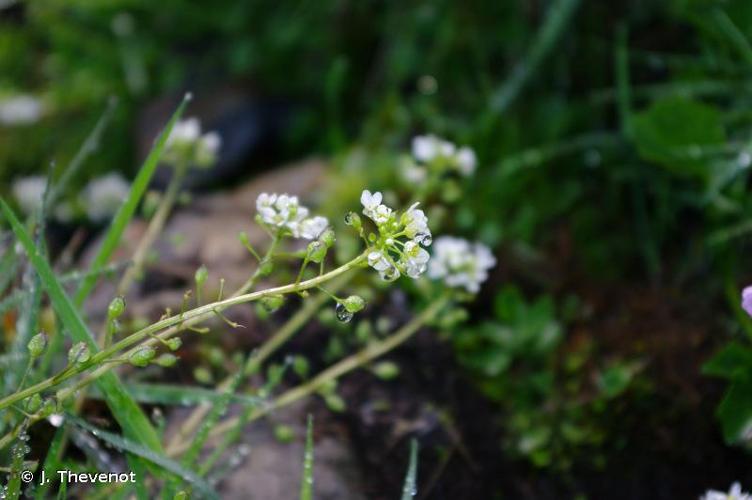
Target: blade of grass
{"type": "Point", "coordinates": [306, 484]}
{"type": "Point", "coordinates": [557, 19]}
{"type": "Point", "coordinates": [89, 146]}
{"type": "Point", "coordinates": [128, 208]}
{"type": "Point", "coordinates": [133, 448]}
{"type": "Point", "coordinates": [52, 463]}
{"type": "Point", "coordinates": [125, 410]}
{"type": "Point", "coordinates": [177, 395]}
{"type": "Point", "coordinates": [409, 490]}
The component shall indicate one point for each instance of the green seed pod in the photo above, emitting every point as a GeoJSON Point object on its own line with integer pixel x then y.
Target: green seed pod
{"type": "Point", "coordinates": [33, 403]}
{"type": "Point", "coordinates": [202, 375]}
{"type": "Point", "coordinates": [166, 360]}
{"type": "Point", "coordinates": [266, 268]}
{"type": "Point", "coordinates": [116, 308]}
{"type": "Point", "coordinates": [174, 343]}
{"type": "Point", "coordinates": [79, 353]}
{"type": "Point", "coordinates": [300, 366]}
{"type": "Point", "coordinates": [354, 303]}
{"type": "Point", "coordinates": [272, 302]}
{"type": "Point", "coordinates": [181, 495]}
{"type": "Point", "coordinates": [142, 357]}
{"type": "Point", "coordinates": [316, 252]}
{"type": "Point", "coordinates": [284, 433]}
{"type": "Point", "coordinates": [37, 345]}
{"type": "Point", "coordinates": [328, 238]}
{"type": "Point", "coordinates": [202, 274]}
{"type": "Point", "coordinates": [386, 370]}
{"type": "Point", "coordinates": [353, 219]}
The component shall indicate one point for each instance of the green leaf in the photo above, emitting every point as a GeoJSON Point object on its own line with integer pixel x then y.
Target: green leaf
{"type": "Point", "coordinates": [735, 411]}
{"type": "Point", "coordinates": [160, 460]}
{"type": "Point", "coordinates": [127, 210]}
{"type": "Point", "coordinates": [615, 380]}
{"type": "Point", "coordinates": [409, 488]}
{"type": "Point", "coordinates": [125, 410]}
{"type": "Point", "coordinates": [673, 133]}
{"type": "Point", "coordinates": [733, 361]}
{"type": "Point", "coordinates": [306, 483]}
{"type": "Point", "coordinates": [167, 394]}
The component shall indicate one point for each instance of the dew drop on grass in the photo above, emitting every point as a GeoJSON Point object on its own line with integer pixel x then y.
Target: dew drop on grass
{"type": "Point", "coordinates": [342, 313]}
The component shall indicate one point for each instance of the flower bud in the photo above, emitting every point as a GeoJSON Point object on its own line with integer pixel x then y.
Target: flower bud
{"type": "Point", "coordinates": [174, 343]}
{"type": "Point", "coordinates": [386, 370]}
{"type": "Point", "coordinates": [272, 302]}
{"type": "Point", "coordinates": [328, 238]}
{"type": "Point", "coordinates": [37, 345]}
{"type": "Point", "coordinates": [142, 357]}
{"type": "Point", "coordinates": [266, 268]}
{"type": "Point", "coordinates": [284, 433]}
{"type": "Point", "coordinates": [33, 403]}
{"type": "Point", "coordinates": [201, 275]}
{"type": "Point", "coordinates": [166, 360]}
{"type": "Point", "coordinates": [79, 353]}
{"type": "Point", "coordinates": [116, 308]}
{"type": "Point", "coordinates": [353, 219]}
{"type": "Point", "coordinates": [316, 252]}
{"type": "Point", "coordinates": [354, 303]}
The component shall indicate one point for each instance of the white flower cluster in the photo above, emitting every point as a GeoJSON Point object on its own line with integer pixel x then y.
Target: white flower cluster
{"type": "Point", "coordinates": [20, 110]}
{"type": "Point", "coordinates": [389, 255]}
{"type": "Point", "coordinates": [433, 150]}
{"type": "Point", "coordinates": [186, 145]}
{"type": "Point", "coordinates": [103, 196]}
{"type": "Point", "coordinates": [100, 199]}
{"type": "Point", "coordinates": [283, 211]}
{"type": "Point", "coordinates": [735, 493]}
{"type": "Point", "coordinates": [461, 263]}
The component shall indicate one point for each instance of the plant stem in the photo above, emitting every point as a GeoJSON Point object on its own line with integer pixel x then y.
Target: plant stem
{"type": "Point", "coordinates": [258, 356]}
{"type": "Point", "coordinates": [155, 227]}
{"type": "Point", "coordinates": [168, 327]}
{"type": "Point", "coordinates": [335, 371]}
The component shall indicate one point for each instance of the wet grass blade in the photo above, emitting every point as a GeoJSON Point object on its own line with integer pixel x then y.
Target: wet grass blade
{"type": "Point", "coordinates": [128, 209]}
{"type": "Point", "coordinates": [52, 463]}
{"type": "Point", "coordinates": [410, 489]}
{"type": "Point", "coordinates": [125, 410]}
{"type": "Point", "coordinates": [148, 455]}
{"type": "Point", "coordinates": [180, 395]}
{"type": "Point", "coordinates": [306, 484]}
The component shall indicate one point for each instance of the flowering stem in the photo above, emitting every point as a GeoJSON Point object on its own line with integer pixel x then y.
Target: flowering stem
{"type": "Point", "coordinates": [346, 365]}
{"type": "Point", "coordinates": [258, 356]}
{"type": "Point", "coordinates": [167, 327]}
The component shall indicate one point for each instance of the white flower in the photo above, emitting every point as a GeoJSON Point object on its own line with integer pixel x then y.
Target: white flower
{"type": "Point", "coordinates": [20, 110]}
{"type": "Point", "coordinates": [427, 148]}
{"type": "Point", "coordinates": [285, 211]}
{"type": "Point", "coordinates": [103, 196]}
{"type": "Point", "coordinates": [415, 259]}
{"type": "Point", "coordinates": [735, 493]}
{"type": "Point", "coordinates": [460, 263]}
{"type": "Point", "coordinates": [28, 192]}
{"type": "Point", "coordinates": [378, 261]}
{"type": "Point", "coordinates": [414, 174]}
{"type": "Point", "coordinates": [186, 144]}
{"type": "Point", "coordinates": [373, 208]}
{"type": "Point", "coordinates": [416, 222]}
{"type": "Point", "coordinates": [312, 228]}
{"type": "Point", "coordinates": [187, 130]}
{"type": "Point", "coordinates": [56, 419]}
{"type": "Point", "coordinates": [466, 160]}
{"type": "Point", "coordinates": [370, 200]}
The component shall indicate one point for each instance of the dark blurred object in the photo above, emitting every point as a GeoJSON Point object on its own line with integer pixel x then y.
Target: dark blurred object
{"type": "Point", "coordinates": [250, 127]}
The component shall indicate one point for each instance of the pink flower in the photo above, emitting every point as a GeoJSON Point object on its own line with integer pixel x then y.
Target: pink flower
{"type": "Point", "coordinates": [747, 300]}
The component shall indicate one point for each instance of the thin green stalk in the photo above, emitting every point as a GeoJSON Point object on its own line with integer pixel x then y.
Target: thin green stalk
{"type": "Point", "coordinates": [346, 365]}
{"type": "Point", "coordinates": [154, 229]}
{"type": "Point", "coordinates": [167, 327]}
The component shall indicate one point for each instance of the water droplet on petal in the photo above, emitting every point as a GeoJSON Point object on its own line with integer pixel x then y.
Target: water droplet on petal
{"type": "Point", "coordinates": [342, 313]}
